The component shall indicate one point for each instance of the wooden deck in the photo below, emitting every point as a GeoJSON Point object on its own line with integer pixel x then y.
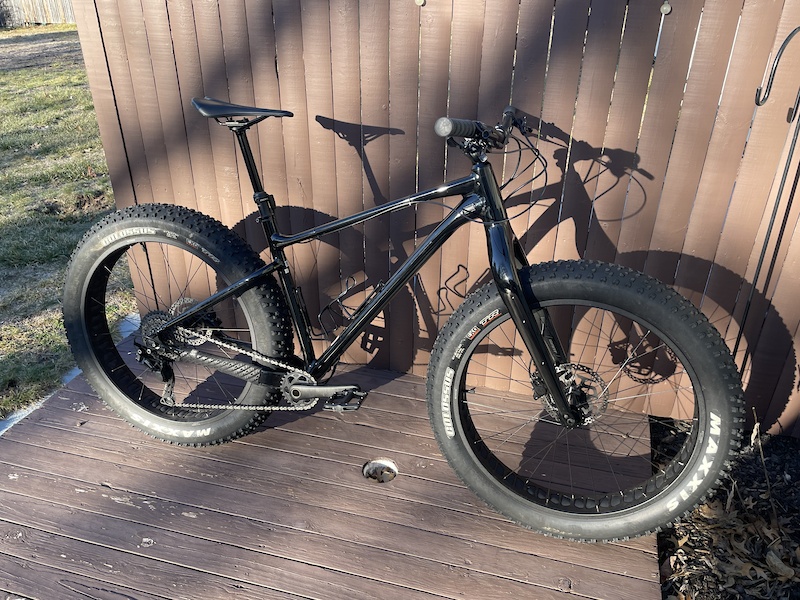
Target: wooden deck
{"type": "Point", "coordinates": [91, 508]}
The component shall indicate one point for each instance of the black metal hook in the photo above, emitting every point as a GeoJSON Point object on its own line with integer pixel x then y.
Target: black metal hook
{"type": "Point", "coordinates": [760, 100]}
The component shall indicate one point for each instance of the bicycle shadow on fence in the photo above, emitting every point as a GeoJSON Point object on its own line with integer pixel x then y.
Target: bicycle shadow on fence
{"type": "Point", "coordinates": [358, 136]}
{"type": "Point", "coordinates": [764, 381]}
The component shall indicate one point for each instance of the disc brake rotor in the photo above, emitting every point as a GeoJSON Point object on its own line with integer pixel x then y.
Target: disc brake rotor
{"type": "Point", "coordinates": [579, 382]}
{"type": "Point", "coordinates": [183, 335]}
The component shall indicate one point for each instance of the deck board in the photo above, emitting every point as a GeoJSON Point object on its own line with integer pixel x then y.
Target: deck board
{"type": "Point", "coordinates": [92, 508]}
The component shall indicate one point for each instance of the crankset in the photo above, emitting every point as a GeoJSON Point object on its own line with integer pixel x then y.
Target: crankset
{"type": "Point", "coordinates": [338, 398]}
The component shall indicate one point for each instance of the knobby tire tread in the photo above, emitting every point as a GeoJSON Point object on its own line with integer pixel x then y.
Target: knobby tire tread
{"type": "Point", "coordinates": [240, 260]}
{"type": "Point", "coordinates": [617, 278]}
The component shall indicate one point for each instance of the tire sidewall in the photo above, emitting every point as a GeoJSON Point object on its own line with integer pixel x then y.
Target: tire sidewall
{"type": "Point", "coordinates": [113, 236]}
{"type": "Point", "coordinates": [715, 427]}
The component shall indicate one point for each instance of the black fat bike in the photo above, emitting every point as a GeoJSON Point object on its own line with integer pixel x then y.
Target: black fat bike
{"type": "Point", "coordinates": [581, 399]}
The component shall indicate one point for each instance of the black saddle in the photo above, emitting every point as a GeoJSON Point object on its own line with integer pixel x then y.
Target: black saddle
{"type": "Point", "coordinates": [217, 109]}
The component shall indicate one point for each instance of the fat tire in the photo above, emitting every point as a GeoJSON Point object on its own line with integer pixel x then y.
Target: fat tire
{"type": "Point", "coordinates": [193, 234]}
{"type": "Point", "coordinates": [709, 436]}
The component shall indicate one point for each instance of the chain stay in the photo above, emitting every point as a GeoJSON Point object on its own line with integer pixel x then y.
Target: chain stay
{"type": "Point", "coordinates": [168, 398]}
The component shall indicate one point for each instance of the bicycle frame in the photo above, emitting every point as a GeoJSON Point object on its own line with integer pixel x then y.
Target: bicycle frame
{"type": "Point", "coordinates": [465, 211]}
{"type": "Point", "coordinates": [481, 201]}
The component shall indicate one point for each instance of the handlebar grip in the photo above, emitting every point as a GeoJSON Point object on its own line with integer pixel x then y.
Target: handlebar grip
{"type": "Point", "coordinates": [447, 127]}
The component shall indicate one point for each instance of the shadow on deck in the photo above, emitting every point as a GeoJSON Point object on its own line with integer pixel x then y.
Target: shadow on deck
{"type": "Point", "coordinates": [91, 508]}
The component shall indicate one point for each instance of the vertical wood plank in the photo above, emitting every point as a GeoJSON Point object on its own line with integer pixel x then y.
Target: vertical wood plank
{"type": "Point", "coordinates": [586, 152]}
{"type": "Point", "coordinates": [535, 20]}
{"type": "Point", "coordinates": [376, 133]}
{"type": "Point", "coordinates": [239, 73]}
{"type": "Point", "coordinates": [458, 274]}
{"type": "Point", "coordinates": [692, 137]}
{"type": "Point", "coordinates": [403, 89]}
{"type": "Point", "coordinates": [766, 347]}
{"type": "Point", "coordinates": [749, 201]}
{"type": "Point", "coordinates": [216, 84]}
{"type": "Point", "coordinates": [261, 34]}
{"type": "Point", "coordinates": [316, 29]}
{"type": "Point", "coordinates": [766, 330]}
{"type": "Point", "coordinates": [501, 21]}
{"type": "Point", "coordinates": [190, 81]}
{"type": "Point", "coordinates": [291, 69]}
{"type": "Point", "coordinates": [434, 56]}
{"type": "Point", "coordinates": [622, 132]}
{"type": "Point", "coordinates": [664, 100]}
{"type": "Point", "coordinates": [103, 96]}
{"type": "Point", "coordinates": [558, 108]}
{"type": "Point", "coordinates": [349, 147]}
{"type": "Point", "coordinates": [125, 103]}
{"type": "Point", "coordinates": [754, 37]}
{"type": "Point", "coordinates": [772, 383]}
{"type": "Point", "coordinates": [145, 101]}
{"type": "Point", "coordinates": [170, 107]}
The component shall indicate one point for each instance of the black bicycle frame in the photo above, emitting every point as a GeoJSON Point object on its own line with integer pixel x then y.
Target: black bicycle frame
{"type": "Point", "coordinates": [468, 209]}
{"type": "Point", "coordinates": [481, 201]}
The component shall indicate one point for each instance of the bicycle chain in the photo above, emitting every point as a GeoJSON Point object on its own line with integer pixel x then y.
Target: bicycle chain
{"type": "Point", "coordinates": [260, 358]}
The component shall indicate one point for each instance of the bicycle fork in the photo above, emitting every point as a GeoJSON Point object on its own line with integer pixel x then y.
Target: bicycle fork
{"type": "Point", "coordinates": [507, 259]}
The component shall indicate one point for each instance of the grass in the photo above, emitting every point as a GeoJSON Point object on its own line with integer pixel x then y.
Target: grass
{"type": "Point", "coordinates": [53, 185]}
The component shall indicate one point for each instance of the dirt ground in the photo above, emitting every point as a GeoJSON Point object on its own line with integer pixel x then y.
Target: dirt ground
{"type": "Point", "coordinates": [23, 50]}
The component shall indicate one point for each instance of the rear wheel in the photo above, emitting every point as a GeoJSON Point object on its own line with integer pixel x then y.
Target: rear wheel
{"type": "Point", "coordinates": [653, 384]}
{"type": "Point", "coordinates": [142, 266]}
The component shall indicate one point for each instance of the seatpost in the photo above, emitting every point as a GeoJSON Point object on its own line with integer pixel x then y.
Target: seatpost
{"type": "Point", "coordinates": [266, 215]}
{"type": "Point", "coordinates": [247, 155]}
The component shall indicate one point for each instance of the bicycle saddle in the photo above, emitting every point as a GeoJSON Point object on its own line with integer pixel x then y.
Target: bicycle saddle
{"type": "Point", "coordinates": [215, 109]}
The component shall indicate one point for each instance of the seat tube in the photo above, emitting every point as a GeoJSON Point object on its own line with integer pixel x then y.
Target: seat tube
{"type": "Point", "coordinates": [506, 260]}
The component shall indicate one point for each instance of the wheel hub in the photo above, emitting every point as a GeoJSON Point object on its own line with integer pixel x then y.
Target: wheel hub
{"type": "Point", "coordinates": [584, 388]}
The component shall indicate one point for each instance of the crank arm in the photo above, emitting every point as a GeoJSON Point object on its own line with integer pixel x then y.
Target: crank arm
{"type": "Point", "coordinates": [303, 391]}
{"type": "Point", "coordinates": [337, 397]}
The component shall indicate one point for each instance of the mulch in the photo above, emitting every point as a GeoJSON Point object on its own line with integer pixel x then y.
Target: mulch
{"type": "Point", "coordinates": [745, 542]}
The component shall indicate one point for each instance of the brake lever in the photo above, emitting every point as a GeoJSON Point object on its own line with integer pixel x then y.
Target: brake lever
{"type": "Point", "coordinates": [522, 126]}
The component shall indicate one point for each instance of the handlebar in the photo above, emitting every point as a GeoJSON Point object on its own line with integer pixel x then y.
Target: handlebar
{"type": "Point", "coordinates": [447, 127]}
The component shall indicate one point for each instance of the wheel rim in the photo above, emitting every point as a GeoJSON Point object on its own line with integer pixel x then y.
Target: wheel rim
{"type": "Point", "coordinates": [135, 287]}
{"type": "Point", "coordinates": [641, 424]}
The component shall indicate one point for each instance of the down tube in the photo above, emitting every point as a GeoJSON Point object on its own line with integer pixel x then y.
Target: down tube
{"type": "Point", "coordinates": [469, 208]}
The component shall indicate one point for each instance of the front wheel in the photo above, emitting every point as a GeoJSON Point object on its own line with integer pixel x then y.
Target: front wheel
{"type": "Point", "coordinates": [657, 393]}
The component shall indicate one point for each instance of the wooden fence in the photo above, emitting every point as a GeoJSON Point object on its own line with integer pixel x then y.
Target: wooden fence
{"type": "Point", "coordinates": [37, 12]}
{"type": "Point", "coordinates": [656, 155]}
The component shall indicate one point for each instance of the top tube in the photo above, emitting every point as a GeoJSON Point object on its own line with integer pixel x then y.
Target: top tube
{"type": "Point", "coordinates": [462, 187]}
